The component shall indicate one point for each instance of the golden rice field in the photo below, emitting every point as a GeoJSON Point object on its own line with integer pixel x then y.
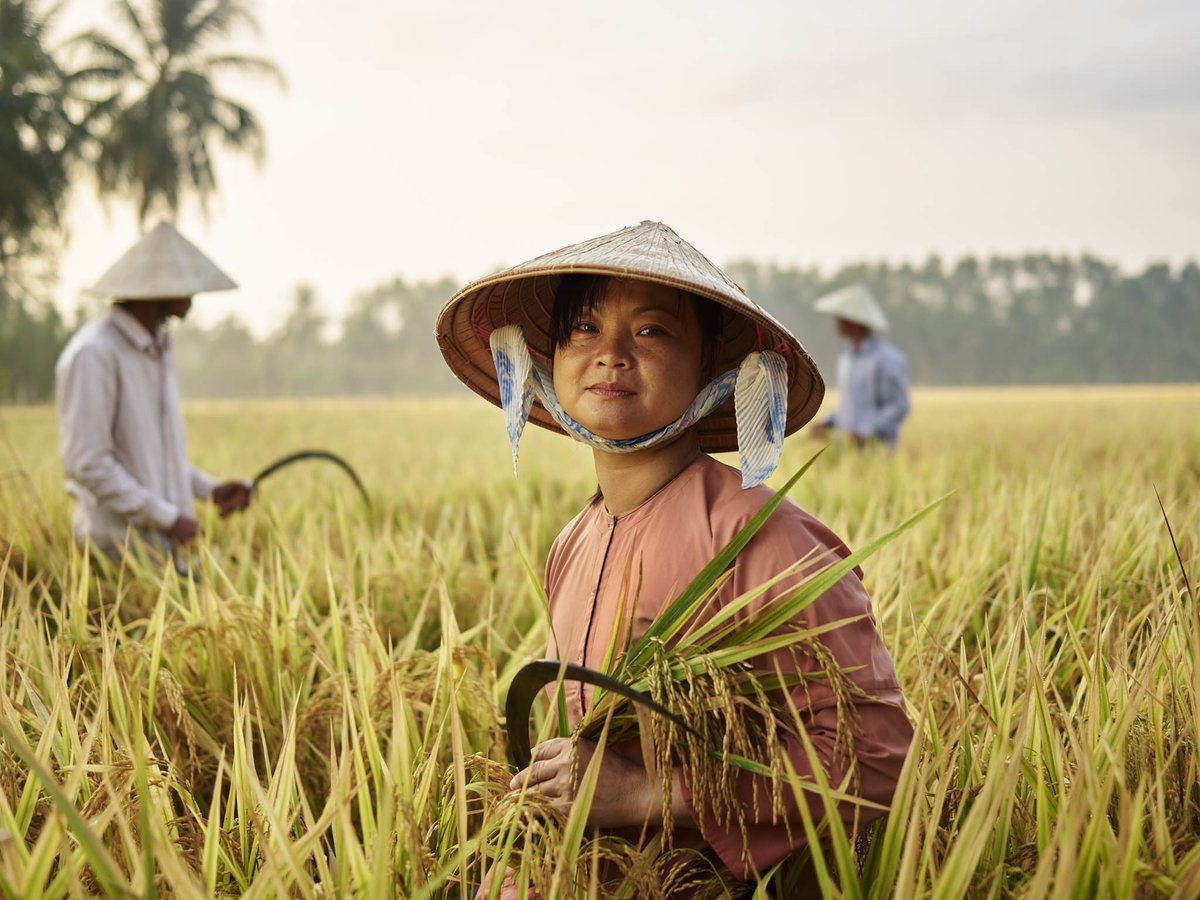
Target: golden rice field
{"type": "Point", "coordinates": [319, 716]}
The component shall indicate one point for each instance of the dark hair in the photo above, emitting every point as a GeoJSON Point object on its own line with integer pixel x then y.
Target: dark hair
{"type": "Point", "coordinates": [578, 293]}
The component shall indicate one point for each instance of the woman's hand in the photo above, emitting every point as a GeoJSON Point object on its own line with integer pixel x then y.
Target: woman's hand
{"type": "Point", "coordinates": [625, 792]}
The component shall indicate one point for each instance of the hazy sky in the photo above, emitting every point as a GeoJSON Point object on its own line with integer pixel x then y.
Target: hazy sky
{"type": "Point", "coordinates": [449, 137]}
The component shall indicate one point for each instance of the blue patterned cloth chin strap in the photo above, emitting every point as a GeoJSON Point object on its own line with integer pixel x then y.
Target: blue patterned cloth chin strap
{"type": "Point", "coordinates": [758, 386]}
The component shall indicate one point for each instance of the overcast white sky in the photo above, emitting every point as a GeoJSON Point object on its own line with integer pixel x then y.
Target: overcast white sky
{"type": "Point", "coordinates": [446, 138]}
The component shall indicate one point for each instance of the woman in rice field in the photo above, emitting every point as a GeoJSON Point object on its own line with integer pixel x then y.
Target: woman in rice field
{"type": "Point", "coordinates": [637, 345]}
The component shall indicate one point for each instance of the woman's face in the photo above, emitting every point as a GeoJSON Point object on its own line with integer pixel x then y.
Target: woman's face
{"type": "Point", "coordinates": [633, 363]}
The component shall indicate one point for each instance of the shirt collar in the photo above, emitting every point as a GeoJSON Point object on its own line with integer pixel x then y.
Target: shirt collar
{"type": "Point", "coordinates": [134, 332]}
{"type": "Point", "coordinates": [663, 495]}
{"type": "Point", "coordinates": [870, 342]}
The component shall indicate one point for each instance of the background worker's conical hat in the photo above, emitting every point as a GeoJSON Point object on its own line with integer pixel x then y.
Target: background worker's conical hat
{"type": "Point", "coordinates": [854, 304]}
{"type": "Point", "coordinates": [524, 295]}
{"type": "Point", "coordinates": [162, 264]}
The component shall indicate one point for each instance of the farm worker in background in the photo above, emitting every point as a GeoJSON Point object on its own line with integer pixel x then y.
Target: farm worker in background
{"type": "Point", "coordinates": [120, 423]}
{"type": "Point", "coordinates": [642, 358]}
{"type": "Point", "coordinates": [872, 376]}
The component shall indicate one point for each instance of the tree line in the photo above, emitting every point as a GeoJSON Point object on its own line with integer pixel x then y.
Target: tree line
{"type": "Point", "coordinates": [1035, 319]}
{"type": "Point", "coordinates": [1032, 319]}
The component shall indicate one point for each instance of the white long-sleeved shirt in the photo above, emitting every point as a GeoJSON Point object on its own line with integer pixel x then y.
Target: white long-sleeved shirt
{"type": "Point", "coordinates": [121, 429]}
{"type": "Point", "coordinates": [872, 390]}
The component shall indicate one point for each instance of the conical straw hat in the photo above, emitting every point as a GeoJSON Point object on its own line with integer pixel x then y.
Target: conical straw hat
{"type": "Point", "coordinates": [524, 295]}
{"type": "Point", "coordinates": [854, 304]}
{"type": "Point", "coordinates": [163, 264]}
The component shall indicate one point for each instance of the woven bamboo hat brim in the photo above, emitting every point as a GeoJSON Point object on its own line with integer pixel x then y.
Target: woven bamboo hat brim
{"type": "Point", "coordinates": [854, 304]}
{"type": "Point", "coordinates": [524, 295]}
{"type": "Point", "coordinates": [163, 264]}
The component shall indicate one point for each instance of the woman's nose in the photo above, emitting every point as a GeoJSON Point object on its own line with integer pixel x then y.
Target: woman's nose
{"type": "Point", "coordinates": [614, 351]}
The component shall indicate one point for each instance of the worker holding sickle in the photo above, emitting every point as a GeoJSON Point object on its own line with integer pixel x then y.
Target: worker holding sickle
{"type": "Point", "coordinates": [121, 427]}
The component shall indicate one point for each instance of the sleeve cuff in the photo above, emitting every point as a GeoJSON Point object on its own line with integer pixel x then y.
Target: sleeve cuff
{"type": "Point", "coordinates": [202, 484]}
{"type": "Point", "coordinates": [162, 514]}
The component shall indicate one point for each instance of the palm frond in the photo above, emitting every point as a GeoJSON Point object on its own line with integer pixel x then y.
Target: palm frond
{"type": "Point", "coordinates": [220, 20]}
{"type": "Point", "coordinates": [249, 65]}
{"type": "Point", "coordinates": [140, 27]}
{"type": "Point", "coordinates": [99, 74]}
{"type": "Point", "coordinates": [241, 128]}
{"type": "Point", "coordinates": [103, 48]}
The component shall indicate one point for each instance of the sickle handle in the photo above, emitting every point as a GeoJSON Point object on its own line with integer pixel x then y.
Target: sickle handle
{"type": "Point", "coordinates": [533, 677]}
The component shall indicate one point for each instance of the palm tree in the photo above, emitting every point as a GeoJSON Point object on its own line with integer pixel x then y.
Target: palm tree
{"type": "Point", "coordinates": [37, 138]}
{"type": "Point", "coordinates": [159, 110]}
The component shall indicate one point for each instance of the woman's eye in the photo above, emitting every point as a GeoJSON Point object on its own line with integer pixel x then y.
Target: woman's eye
{"type": "Point", "coordinates": [652, 331]}
{"type": "Point", "coordinates": [585, 327]}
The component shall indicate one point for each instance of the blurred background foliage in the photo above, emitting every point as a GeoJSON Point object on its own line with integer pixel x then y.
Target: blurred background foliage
{"type": "Point", "coordinates": [1030, 320]}
{"type": "Point", "coordinates": [1036, 319]}
{"type": "Point", "coordinates": [131, 106]}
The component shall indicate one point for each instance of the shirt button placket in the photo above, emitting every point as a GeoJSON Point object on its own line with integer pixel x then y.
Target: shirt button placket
{"type": "Point", "coordinates": [592, 596]}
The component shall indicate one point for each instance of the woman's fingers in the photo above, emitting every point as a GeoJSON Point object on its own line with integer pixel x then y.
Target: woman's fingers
{"type": "Point", "coordinates": [542, 774]}
{"type": "Point", "coordinates": [537, 773]}
{"type": "Point", "coordinates": [542, 771]}
{"type": "Point", "coordinates": [550, 771]}
{"type": "Point", "coordinates": [543, 754]}
{"type": "Point", "coordinates": [552, 748]}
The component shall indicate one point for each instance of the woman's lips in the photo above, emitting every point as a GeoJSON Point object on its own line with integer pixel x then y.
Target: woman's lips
{"type": "Point", "coordinates": [610, 391]}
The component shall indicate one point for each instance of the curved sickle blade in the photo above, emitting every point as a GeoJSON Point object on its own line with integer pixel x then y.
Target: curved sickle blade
{"type": "Point", "coordinates": [299, 455]}
{"type": "Point", "coordinates": [533, 677]}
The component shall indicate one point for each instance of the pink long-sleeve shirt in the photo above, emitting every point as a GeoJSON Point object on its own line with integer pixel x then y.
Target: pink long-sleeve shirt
{"type": "Point", "coordinates": [669, 538]}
